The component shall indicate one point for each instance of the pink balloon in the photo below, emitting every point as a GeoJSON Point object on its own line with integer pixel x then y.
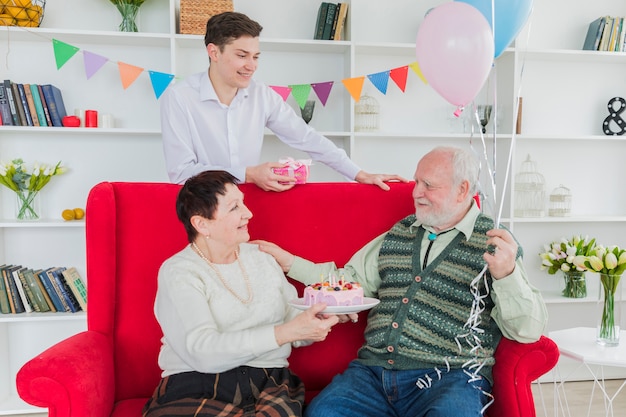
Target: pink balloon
{"type": "Point", "coordinates": [455, 50]}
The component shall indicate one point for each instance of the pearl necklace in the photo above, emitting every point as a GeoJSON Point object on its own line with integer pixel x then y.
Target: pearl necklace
{"type": "Point", "coordinates": [221, 278]}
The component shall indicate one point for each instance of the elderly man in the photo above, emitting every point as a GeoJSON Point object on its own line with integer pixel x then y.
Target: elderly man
{"type": "Point", "coordinates": [450, 285]}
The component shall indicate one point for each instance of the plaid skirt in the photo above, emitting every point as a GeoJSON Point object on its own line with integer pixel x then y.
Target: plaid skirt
{"type": "Point", "coordinates": [243, 391]}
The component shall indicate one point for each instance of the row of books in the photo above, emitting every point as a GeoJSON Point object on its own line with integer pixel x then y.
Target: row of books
{"type": "Point", "coordinates": [31, 105]}
{"type": "Point", "coordinates": [606, 33]}
{"type": "Point", "coordinates": [331, 19]}
{"type": "Point", "coordinates": [26, 290]}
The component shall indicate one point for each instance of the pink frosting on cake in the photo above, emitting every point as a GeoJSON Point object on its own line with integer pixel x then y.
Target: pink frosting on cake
{"type": "Point", "coordinates": [350, 294]}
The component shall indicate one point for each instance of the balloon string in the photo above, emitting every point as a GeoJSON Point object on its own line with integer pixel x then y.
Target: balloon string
{"type": "Point", "coordinates": [516, 112]}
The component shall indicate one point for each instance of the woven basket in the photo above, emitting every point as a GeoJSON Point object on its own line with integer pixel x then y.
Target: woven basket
{"type": "Point", "coordinates": [26, 13]}
{"type": "Point", "coordinates": [195, 13]}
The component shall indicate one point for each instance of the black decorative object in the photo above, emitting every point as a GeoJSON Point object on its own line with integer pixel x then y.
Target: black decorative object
{"type": "Point", "coordinates": [484, 114]}
{"type": "Point", "coordinates": [614, 124]}
{"type": "Point", "coordinates": [307, 110]}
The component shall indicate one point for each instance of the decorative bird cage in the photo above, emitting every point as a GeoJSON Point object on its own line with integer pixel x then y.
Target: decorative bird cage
{"type": "Point", "coordinates": [366, 114]}
{"type": "Point", "coordinates": [530, 191]}
{"type": "Point", "coordinates": [560, 202]}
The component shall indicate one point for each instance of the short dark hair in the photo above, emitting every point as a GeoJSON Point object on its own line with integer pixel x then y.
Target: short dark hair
{"type": "Point", "coordinates": [198, 197]}
{"type": "Point", "coordinates": [223, 28]}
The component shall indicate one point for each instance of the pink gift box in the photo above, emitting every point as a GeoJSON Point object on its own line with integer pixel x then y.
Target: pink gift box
{"type": "Point", "coordinates": [299, 169]}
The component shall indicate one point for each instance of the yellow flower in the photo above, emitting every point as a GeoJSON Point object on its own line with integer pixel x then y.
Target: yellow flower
{"type": "Point", "coordinates": [595, 263]}
{"type": "Point", "coordinates": [17, 177]}
{"type": "Point", "coordinates": [610, 260]}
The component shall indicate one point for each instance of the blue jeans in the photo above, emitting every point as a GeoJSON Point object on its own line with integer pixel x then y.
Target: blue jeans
{"type": "Point", "coordinates": [374, 391]}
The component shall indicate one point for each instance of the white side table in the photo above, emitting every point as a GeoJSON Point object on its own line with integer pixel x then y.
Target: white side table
{"type": "Point", "coordinates": [580, 345]}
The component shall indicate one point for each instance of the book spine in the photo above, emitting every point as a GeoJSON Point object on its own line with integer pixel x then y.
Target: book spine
{"type": "Point", "coordinates": [7, 285]}
{"type": "Point", "coordinates": [18, 105]}
{"type": "Point", "coordinates": [31, 104]}
{"type": "Point", "coordinates": [9, 93]}
{"type": "Point", "coordinates": [77, 286]}
{"type": "Point", "coordinates": [30, 296]}
{"type": "Point", "coordinates": [596, 44]}
{"type": "Point", "coordinates": [22, 93]}
{"type": "Point", "coordinates": [341, 21]}
{"type": "Point", "coordinates": [45, 106]}
{"type": "Point", "coordinates": [321, 20]}
{"type": "Point", "coordinates": [41, 117]}
{"type": "Point", "coordinates": [592, 33]}
{"type": "Point", "coordinates": [606, 34]}
{"type": "Point", "coordinates": [5, 109]}
{"type": "Point", "coordinates": [58, 100]}
{"type": "Point", "coordinates": [330, 18]}
{"type": "Point", "coordinates": [5, 307]}
{"type": "Point", "coordinates": [52, 293]}
{"type": "Point", "coordinates": [20, 290]}
{"type": "Point", "coordinates": [37, 296]}
{"type": "Point", "coordinates": [44, 292]}
{"type": "Point", "coordinates": [16, 301]}
{"type": "Point", "coordinates": [67, 293]}
{"type": "Point", "coordinates": [58, 290]}
{"type": "Point", "coordinates": [52, 108]}
{"type": "Point", "coordinates": [334, 26]}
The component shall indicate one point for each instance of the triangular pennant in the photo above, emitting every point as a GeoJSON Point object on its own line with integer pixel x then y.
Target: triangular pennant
{"type": "Point", "coordinates": [282, 91]}
{"type": "Point", "coordinates": [354, 86]}
{"type": "Point", "coordinates": [380, 80]}
{"type": "Point", "coordinates": [160, 81]}
{"type": "Point", "coordinates": [398, 75]}
{"type": "Point", "coordinates": [301, 93]}
{"type": "Point", "coordinates": [128, 73]}
{"type": "Point", "coordinates": [416, 68]}
{"type": "Point", "coordinates": [322, 90]}
{"type": "Point", "coordinates": [63, 52]}
{"type": "Point", "coordinates": [93, 62]}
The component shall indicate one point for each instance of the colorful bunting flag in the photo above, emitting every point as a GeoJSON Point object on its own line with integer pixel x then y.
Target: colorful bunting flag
{"type": "Point", "coordinates": [416, 68]}
{"type": "Point", "coordinates": [160, 81]}
{"type": "Point", "coordinates": [301, 92]}
{"type": "Point", "coordinates": [380, 80]}
{"type": "Point", "coordinates": [128, 73]}
{"type": "Point", "coordinates": [93, 62]}
{"type": "Point", "coordinates": [282, 91]}
{"type": "Point", "coordinates": [63, 52]}
{"type": "Point", "coordinates": [399, 75]}
{"type": "Point", "coordinates": [354, 86]}
{"type": "Point", "coordinates": [322, 90]}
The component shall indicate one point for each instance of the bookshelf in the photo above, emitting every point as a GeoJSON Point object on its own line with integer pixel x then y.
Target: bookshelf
{"type": "Point", "coordinates": [564, 105]}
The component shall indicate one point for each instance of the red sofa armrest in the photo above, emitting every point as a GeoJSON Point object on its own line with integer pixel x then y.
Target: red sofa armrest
{"type": "Point", "coordinates": [72, 378]}
{"type": "Point", "coordinates": [517, 366]}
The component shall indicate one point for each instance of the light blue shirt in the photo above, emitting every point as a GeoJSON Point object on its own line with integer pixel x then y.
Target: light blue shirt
{"type": "Point", "coordinates": [200, 133]}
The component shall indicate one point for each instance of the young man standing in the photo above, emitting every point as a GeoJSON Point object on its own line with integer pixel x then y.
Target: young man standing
{"type": "Point", "coordinates": [215, 120]}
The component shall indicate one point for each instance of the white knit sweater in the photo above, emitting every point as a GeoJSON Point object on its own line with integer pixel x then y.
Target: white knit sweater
{"type": "Point", "coordinates": [206, 329]}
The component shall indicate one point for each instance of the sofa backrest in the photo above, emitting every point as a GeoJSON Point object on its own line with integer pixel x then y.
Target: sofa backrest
{"type": "Point", "coordinates": [132, 228]}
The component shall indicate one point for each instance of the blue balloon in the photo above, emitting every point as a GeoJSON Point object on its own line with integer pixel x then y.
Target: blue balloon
{"type": "Point", "coordinates": [510, 17]}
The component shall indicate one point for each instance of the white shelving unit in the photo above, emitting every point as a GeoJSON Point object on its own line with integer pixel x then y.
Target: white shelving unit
{"type": "Point", "coordinates": [565, 93]}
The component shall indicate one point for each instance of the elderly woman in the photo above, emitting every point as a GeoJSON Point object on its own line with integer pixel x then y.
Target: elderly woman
{"type": "Point", "coordinates": [223, 308]}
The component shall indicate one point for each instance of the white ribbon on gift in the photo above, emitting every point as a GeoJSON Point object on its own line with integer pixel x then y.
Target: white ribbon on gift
{"type": "Point", "coordinates": [294, 163]}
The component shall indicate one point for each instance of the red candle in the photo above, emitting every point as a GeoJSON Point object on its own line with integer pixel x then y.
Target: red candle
{"type": "Point", "coordinates": [91, 118]}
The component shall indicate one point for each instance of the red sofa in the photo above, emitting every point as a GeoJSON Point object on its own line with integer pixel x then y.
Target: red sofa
{"type": "Point", "coordinates": [111, 369]}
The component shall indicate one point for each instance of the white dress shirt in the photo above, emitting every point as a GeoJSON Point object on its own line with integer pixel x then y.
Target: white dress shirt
{"type": "Point", "coordinates": [200, 133]}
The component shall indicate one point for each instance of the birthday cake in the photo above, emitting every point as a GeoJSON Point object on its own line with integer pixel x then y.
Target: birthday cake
{"type": "Point", "coordinates": [334, 294]}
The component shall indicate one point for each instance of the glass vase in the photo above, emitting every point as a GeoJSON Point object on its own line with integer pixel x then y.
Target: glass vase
{"type": "Point", "coordinates": [129, 14]}
{"type": "Point", "coordinates": [575, 284]}
{"type": "Point", "coordinates": [609, 310]}
{"type": "Point", "coordinates": [27, 205]}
